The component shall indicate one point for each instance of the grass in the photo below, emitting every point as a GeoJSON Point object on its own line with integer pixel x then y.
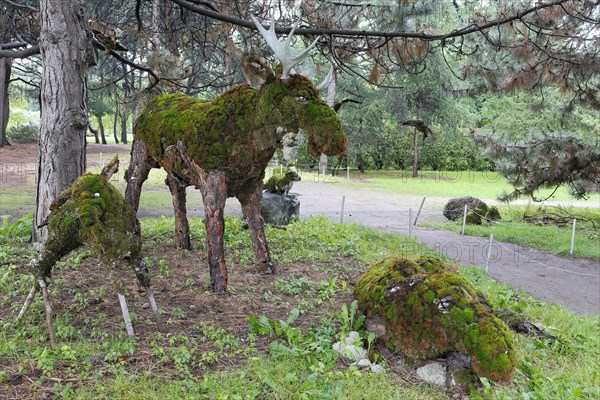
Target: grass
{"type": "Point", "coordinates": [94, 360]}
{"type": "Point", "coordinates": [547, 237]}
{"type": "Point", "coordinates": [447, 184]}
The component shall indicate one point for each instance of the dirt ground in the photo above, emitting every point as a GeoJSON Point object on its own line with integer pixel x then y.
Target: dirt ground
{"type": "Point", "coordinates": [572, 282]}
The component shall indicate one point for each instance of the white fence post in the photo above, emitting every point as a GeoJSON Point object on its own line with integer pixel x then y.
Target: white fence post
{"type": "Point", "coordinates": [342, 212]}
{"type": "Point", "coordinates": [489, 254]}
{"type": "Point", "coordinates": [573, 236]}
{"type": "Point", "coordinates": [348, 172]}
{"type": "Point", "coordinates": [419, 212]}
{"type": "Point", "coordinates": [464, 220]}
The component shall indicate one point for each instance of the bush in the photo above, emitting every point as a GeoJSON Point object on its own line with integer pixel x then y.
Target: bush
{"type": "Point", "coordinates": [23, 133]}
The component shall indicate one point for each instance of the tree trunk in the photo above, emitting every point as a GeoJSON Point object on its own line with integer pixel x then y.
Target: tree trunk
{"type": "Point", "coordinates": [66, 49]}
{"type": "Point", "coordinates": [101, 128]}
{"type": "Point", "coordinates": [416, 159]}
{"type": "Point", "coordinates": [117, 112]}
{"type": "Point", "coordinates": [5, 66]}
{"type": "Point", "coordinates": [331, 89]}
{"type": "Point", "coordinates": [95, 133]}
{"type": "Point", "coordinates": [124, 126]}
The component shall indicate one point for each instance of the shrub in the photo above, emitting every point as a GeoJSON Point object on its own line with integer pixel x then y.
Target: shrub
{"type": "Point", "coordinates": [23, 133]}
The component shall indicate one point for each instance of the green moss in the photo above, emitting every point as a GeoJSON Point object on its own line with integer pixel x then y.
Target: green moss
{"type": "Point", "coordinates": [493, 214]}
{"type": "Point", "coordinates": [239, 128]}
{"type": "Point", "coordinates": [431, 310]}
{"type": "Point", "coordinates": [94, 213]}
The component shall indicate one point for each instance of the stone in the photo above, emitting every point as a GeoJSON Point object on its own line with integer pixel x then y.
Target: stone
{"type": "Point", "coordinates": [455, 208]}
{"type": "Point", "coordinates": [279, 209]}
{"type": "Point", "coordinates": [433, 373]}
{"type": "Point", "coordinates": [349, 349]}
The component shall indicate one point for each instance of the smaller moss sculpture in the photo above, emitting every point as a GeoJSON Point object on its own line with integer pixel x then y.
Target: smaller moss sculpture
{"type": "Point", "coordinates": [430, 311]}
{"type": "Point", "coordinates": [282, 183]}
{"type": "Point", "coordinates": [92, 212]}
{"type": "Point", "coordinates": [493, 214]}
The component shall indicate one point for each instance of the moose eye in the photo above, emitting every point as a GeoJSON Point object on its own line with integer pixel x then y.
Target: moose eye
{"type": "Point", "coordinates": [301, 99]}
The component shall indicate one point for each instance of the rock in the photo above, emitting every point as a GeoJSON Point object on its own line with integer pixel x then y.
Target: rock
{"type": "Point", "coordinates": [455, 208]}
{"type": "Point", "coordinates": [434, 373]}
{"type": "Point", "coordinates": [430, 310]}
{"type": "Point", "coordinates": [349, 349]}
{"type": "Point", "coordinates": [146, 306]}
{"type": "Point", "coordinates": [279, 209]}
{"type": "Point", "coordinates": [376, 325]}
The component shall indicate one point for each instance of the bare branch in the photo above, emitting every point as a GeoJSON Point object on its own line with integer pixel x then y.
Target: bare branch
{"type": "Point", "coordinates": [28, 52]}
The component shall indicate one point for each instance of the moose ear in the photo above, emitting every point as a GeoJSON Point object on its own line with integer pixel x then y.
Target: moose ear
{"type": "Point", "coordinates": [256, 69]}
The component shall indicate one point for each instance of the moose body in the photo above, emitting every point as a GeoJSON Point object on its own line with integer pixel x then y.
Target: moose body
{"type": "Point", "coordinates": [222, 147]}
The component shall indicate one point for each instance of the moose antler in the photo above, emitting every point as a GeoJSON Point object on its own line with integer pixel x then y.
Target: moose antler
{"type": "Point", "coordinates": [283, 49]}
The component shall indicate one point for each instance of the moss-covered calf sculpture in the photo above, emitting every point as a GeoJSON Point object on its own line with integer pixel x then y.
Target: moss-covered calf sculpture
{"type": "Point", "coordinates": [430, 310]}
{"type": "Point", "coordinates": [93, 213]}
{"type": "Point", "coordinates": [223, 147]}
{"type": "Point", "coordinates": [282, 183]}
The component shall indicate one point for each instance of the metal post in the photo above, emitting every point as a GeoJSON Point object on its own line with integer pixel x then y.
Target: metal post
{"type": "Point", "coordinates": [410, 225]}
{"type": "Point", "coordinates": [348, 173]}
{"type": "Point", "coordinates": [342, 213]}
{"type": "Point", "coordinates": [573, 236]}
{"type": "Point", "coordinates": [419, 212]}
{"type": "Point", "coordinates": [464, 220]}
{"type": "Point", "coordinates": [489, 254]}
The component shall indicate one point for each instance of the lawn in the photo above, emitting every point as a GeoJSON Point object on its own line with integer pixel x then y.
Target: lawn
{"type": "Point", "coordinates": [210, 350]}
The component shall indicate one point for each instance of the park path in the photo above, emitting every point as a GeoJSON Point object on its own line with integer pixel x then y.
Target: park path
{"type": "Point", "coordinates": [571, 282]}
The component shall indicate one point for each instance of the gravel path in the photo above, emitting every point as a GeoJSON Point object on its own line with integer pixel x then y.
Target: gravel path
{"type": "Point", "coordinates": [572, 282]}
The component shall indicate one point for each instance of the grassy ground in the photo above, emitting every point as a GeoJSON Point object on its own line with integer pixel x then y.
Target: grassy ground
{"type": "Point", "coordinates": [209, 349]}
{"type": "Point", "coordinates": [550, 237]}
{"type": "Point", "coordinates": [447, 184]}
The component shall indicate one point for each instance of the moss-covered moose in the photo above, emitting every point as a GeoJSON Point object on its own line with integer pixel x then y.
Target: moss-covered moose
{"type": "Point", "coordinates": [223, 147]}
{"type": "Point", "coordinates": [92, 212]}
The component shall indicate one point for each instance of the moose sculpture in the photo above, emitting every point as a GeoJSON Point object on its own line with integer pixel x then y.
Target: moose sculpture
{"type": "Point", "coordinates": [223, 146]}
{"type": "Point", "coordinates": [92, 212]}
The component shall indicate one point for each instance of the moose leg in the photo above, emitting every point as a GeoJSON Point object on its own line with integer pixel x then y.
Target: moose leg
{"type": "Point", "coordinates": [137, 173]}
{"type": "Point", "coordinates": [126, 315]}
{"type": "Point", "coordinates": [214, 194]}
{"type": "Point", "coordinates": [182, 228]}
{"type": "Point", "coordinates": [27, 303]}
{"type": "Point", "coordinates": [256, 227]}
{"type": "Point", "coordinates": [47, 310]}
{"type": "Point", "coordinates": [143, 276]}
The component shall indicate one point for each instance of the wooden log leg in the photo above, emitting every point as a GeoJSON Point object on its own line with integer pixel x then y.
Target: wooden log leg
{"type": "Point", "coordinates": [214, 194]}
{"type": "Point", "coordinates": [256, 227]}
{"type": "Point", "coordinates": [182, 228]}
{"type": "Point", "coordinates": [47, 310]}
{"type": "Point", "coordinates": [126, 316]}
{"type": "Point", "coordinates": [137, 173]}
{"type": "Point", "coordinates": [27, 303]}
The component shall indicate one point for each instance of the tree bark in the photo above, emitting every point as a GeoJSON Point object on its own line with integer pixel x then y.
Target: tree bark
{"type": "Point", "coordinates": [95, 133]}
{"type": "Point", "coordinates": [101, 128]}
{"type": "Point", "coordinates": [117, 112]}
{"type": "Point", "coordinates": [416, 159]}
{"type": "Point", "coordinates": [5, 67]}
{"type": "Point", "coordinates": [67, 50]}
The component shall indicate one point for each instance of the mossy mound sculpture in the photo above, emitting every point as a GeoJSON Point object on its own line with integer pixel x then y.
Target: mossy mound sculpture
{"type": "Point", "coordinates": [282, 183]}
{"type": "Point", "coordinates": [223, 147]}
{"type": "Point", "coordinates": [92, 212]}
{"type": "Point", "coordinates": [430, 310]}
